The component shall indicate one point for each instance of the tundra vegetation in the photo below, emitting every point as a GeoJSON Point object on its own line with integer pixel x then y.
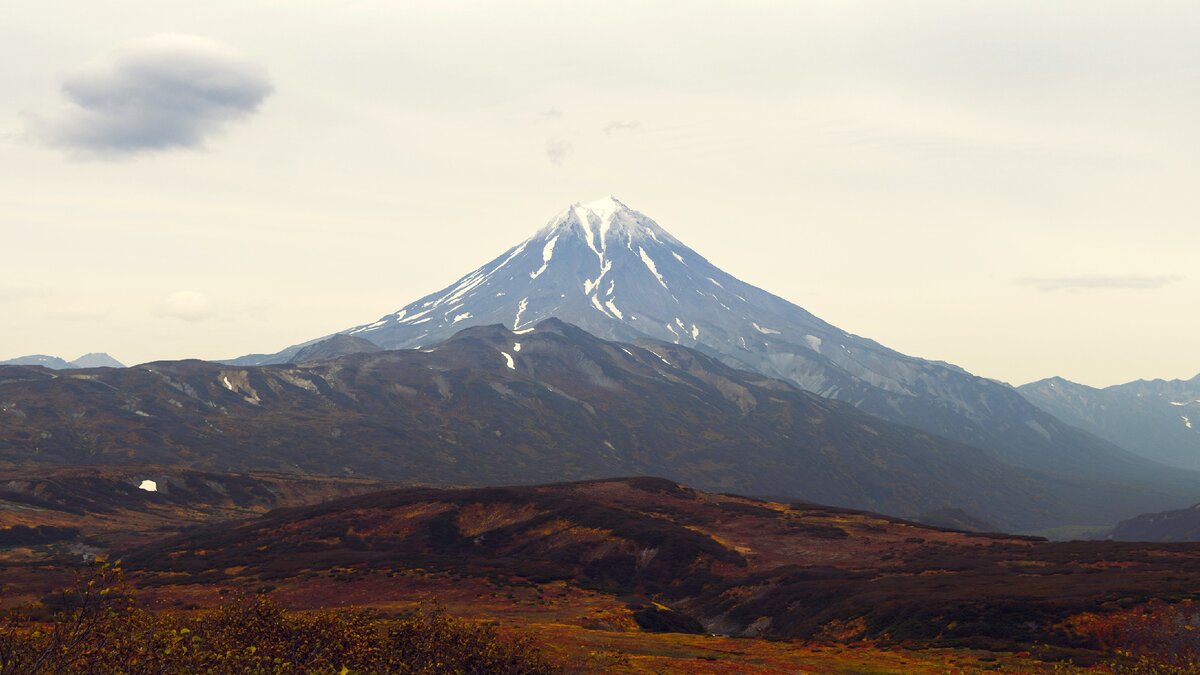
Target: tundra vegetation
{"type": "Point", "coordinates": [97, 627]}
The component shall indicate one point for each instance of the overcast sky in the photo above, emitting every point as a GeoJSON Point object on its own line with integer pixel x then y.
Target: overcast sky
{"type": "Point", "coordinates": [1009, 186]}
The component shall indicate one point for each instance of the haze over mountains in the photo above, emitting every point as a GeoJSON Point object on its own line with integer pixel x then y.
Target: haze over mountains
{"type": "Point", "coordinates": [619, 275]}
{"type": "Point", "coordinates": [1156, 419]}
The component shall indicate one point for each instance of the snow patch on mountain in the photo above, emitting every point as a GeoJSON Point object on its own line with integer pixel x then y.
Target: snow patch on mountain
{"type": "Point", "coordinates": [547, 255]}
{"type": "Point", "coordinates": [521, 306]}
{"type": "Point", "coordinates": [651, 266]}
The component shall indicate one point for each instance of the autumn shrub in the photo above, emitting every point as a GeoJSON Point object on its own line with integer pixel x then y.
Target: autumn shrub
{"type": "Point", "coordinates": [1151, 666]}
{"type": "Point", "coordinates": [1158, 638]}
{"type": "Point", "coordinates": [97, 629]}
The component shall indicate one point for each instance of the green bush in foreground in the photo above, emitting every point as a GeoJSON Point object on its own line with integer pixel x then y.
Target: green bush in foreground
{"type": "Point", "coordinates": [97, 629]}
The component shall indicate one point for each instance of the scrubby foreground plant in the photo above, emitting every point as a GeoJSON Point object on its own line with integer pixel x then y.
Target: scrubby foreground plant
{"type": "Point", "coordinates": [1163, 637]}
{"type": "Point", "coordinates": [96, 628]}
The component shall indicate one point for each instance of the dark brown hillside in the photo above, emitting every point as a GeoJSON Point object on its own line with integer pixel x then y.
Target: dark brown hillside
{"type": "Point", "coordinates": [713, 563]}
{"type": "Point", "coordinates": [72, 513]}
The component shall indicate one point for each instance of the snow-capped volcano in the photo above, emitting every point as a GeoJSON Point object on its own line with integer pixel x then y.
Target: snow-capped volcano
{"type": "Point", "coordinates": [619, 275]}
{"type": "Point", "coordinates": [606, 268]}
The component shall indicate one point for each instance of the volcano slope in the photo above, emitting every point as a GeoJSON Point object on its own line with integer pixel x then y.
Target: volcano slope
{"type": "Point", "coordinates": [681, 560]}
{"type": "Point", "coordinates": [548, 404]}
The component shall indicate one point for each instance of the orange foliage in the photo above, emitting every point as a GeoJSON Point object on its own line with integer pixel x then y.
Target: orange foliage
{"type": "Point", "coordinates": [1156, 633]}
{"type": "Point", "coordinates": [98, 629]}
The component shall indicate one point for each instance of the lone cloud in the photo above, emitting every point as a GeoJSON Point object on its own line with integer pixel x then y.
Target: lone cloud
{"type": "Point", "coordinates": [557, 150]}
{"type": "Point", "coordinates": [1100, 282]}
{"type": "Point", "coordinates": [162, 92]}
{"type": "Point", "coordinates": [617, 126]}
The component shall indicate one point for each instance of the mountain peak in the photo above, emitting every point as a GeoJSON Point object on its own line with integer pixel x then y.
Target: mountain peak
{"type": "Point", "coordinates": [97, 360]}
{"type": "Point", "coordinates": [605, 267]}
{"type": "Point", "coordinates": [603, 207]}
{"type": "Point", "coordinates": [333, 347]}
{"type": "Point", "coordinates": [605, 221]}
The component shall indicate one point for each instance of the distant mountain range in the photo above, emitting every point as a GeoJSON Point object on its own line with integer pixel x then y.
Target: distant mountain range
{"type": "Point", "coordinates": [1156, 419]}
{"type": "Point", "coordinates": [619, 275]}
{"type": "Point", "coordinates": [552, 402]}
{"type": "Point", "coordinates": [93, 360]}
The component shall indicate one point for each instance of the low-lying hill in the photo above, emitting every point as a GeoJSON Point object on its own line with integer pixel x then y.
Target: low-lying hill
{"type": "Point", "coordinates": [688, 561]}
{"type": "Point", "coordinates": [73, 512]}
{"type": "Point", "coordinates": [1175, 525]}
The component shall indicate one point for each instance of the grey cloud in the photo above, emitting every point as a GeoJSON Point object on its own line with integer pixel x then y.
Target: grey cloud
{"type": "Point", "coordinates": [158, 93]}
{"type": "Point", "coordinates": [557, 150]}
{"type": "Point", "coordinates": [1100, 282]}
{"type": "Point", "coordinates": [620, 125]}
